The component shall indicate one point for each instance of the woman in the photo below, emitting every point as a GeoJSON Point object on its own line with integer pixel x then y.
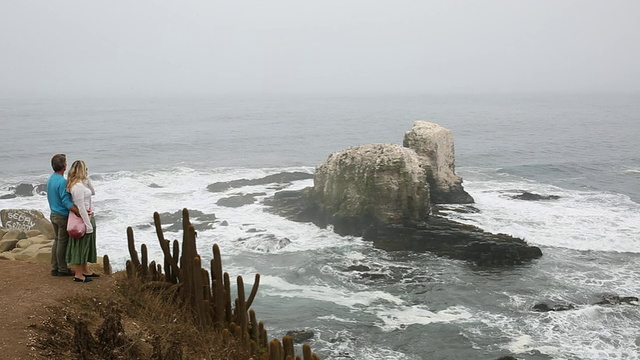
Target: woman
{"type": "Point", "coordinates": [82, 251]}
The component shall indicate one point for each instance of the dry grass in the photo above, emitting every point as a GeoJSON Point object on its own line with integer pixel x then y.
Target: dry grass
{"type": "Point", "coordinates": [130, 321]}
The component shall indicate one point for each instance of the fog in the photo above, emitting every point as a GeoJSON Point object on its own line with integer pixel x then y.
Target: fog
{"type": "Point", "coordinates": [140, 48]}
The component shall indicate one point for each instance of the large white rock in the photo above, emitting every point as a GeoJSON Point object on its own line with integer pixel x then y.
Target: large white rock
{"type": "Point", "coordinates": [381, 181]}
{"type": "Point", "coordinates": [434, 146]}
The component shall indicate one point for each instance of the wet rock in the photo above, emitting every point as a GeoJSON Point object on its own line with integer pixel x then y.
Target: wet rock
{"type": "Point", "coordinates": [239, 200]}
{"type": "Point", "coordinates": [360, 268]}
{"type": "Point", "coordinates": [264, 242]}
{"type": "Point", "coordinates": [280, 178]}
{"type": "Point", "coordinates": [41, 189]}
{"type": "Point", "coordinates": [155, 186]}
{"type": "Point", "coordinates": [617, 300]}
{"type": "Point", "coordinates": [300, 336]}
{"type": "Point", "coordinates": [435, 234]}
{"type": "Point", "coordinates": [172, 222]}
{"type": "Point", "coordinates": [543, 307]}
{"type": "Point", "coordinates": [23, 190]}
{"type": "Point", "coordinates": [534, 197]}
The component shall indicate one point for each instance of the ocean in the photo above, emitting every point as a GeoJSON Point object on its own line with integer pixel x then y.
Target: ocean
{"type": "Point", "coordinates": [361, 302]}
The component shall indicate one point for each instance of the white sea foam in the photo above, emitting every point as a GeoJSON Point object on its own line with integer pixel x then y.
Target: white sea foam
{"type": "Point", "coordinates": [601, 332]}
{"type": "Point", "coordinates": [580, 220]}
{"type": "Point", "coordinates": [275, 286]}
{"type": "Point", "coordinates": [401, 317]}
{"type": "Point", "coordinates": [129, 199]}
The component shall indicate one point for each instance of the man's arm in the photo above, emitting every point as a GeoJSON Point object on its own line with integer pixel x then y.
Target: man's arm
{"type": "Point", "coordinates": [66, 201]}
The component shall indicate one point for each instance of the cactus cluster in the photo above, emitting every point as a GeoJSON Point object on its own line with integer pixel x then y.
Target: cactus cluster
{"type": "Point", "coordinates": [209, 297]}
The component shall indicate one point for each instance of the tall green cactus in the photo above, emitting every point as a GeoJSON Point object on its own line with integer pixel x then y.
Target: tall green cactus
{"type": "Point", "coordinates": [209, 296]}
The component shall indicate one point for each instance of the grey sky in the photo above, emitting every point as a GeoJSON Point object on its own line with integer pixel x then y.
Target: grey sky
{"type": "Point", "coordinates": [206, 47]}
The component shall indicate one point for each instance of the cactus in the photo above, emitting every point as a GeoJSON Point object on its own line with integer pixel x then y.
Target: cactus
{"type": "Point", "coordinates": [143, 263]}
{"type": "Point", "coordinates": [132, 248]}
{"type": "Point", "coordinates": [106, 266]}
{"type": "Point", "coordinates": [164, 245]}
{"type": "Point", "coordinates": [209, 296]}
{"type": "Point", "coordinates": [287, 343]}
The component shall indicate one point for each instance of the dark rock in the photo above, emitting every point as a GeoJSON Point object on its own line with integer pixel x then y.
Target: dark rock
{"type": "Point", "coordinates": [360, 268]}
{"type": "Point", "coordinates": [280, 178]}
{"type": "Point", "coordinates": [264, 242]}
{"type": "Point", "coordinates": [508, 357]}
{"type": "Point", "coordinates": [41, 189]}
{"type": "Point", "coordinates": [239, 200]}
{"type": "Point", "coordinates": [254, 230]}
{"type": "Point", "coordinates": [155, 186]}
{"type": "Point", "coordinates": [436, 234]}
{"type": "Point", "coordinates": [534, 197]}
{"type": "Point", "coordinates": [172, 222]}
{"type": "Point", "coordinates": [300, 336]}
{"type": "Point", "coordinates": [24, 190]}
{"type": "Point", "coordinates": [543, 307]}
{"type": "Point", "coordinates": [224, 223]}
{"type": "Point", "coordinates": [617, 300]}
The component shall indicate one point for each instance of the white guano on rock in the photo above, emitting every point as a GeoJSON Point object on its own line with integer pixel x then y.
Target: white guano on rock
{"type": "Point", "coordinates": [434, 146]}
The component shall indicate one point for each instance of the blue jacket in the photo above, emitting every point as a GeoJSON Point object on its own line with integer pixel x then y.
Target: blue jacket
{"type": "Point", "coordinates": [58, 196]}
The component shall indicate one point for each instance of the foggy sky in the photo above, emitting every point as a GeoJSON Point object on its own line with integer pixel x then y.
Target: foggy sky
{"type": "Point", "coordinates": [137, 48]}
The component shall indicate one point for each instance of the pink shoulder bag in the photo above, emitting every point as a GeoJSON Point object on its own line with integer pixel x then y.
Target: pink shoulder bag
{"type": "Point", "coordinates": [75, 226]}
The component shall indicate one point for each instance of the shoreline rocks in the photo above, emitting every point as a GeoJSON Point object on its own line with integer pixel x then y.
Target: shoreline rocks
{"type": "Point", "coordinates": [25, 235]}
{"type": "Point", "coordinates": [529, 196]}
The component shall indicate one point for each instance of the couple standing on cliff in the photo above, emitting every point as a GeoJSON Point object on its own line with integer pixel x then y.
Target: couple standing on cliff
{"type": "Point", "coordinates": [71, 195]}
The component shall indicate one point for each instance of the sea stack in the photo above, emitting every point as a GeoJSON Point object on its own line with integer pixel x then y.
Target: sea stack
{"type": "Point", "coordinates": [384, 193]}
{"type": "Point", "coordinates": [384, 182]}
{"type": "Point", "coordinates": [434, 146]}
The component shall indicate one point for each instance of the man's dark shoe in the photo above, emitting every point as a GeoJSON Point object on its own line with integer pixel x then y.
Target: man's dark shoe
{"type": "Point", "coordinates": [54, 272]}
{"type": "Point", "coordinates": [70, 273]}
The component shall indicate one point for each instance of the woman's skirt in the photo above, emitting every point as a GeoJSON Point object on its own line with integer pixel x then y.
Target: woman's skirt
{"type": "Point", "coordinates": [83, 250]}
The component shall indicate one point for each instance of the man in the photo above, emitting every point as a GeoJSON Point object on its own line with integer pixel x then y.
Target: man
{"type": "Point", "coordinates": [60, 204]}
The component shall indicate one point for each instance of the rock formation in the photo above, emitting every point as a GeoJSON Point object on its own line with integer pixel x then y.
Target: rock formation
{"type": "Point", "coordinates": [382, 182]}
{"type": "Point", "coordinates": [383, 193]}
{"type": "Point", "coordinates": [434, 146]}
{"type": "Point", "coordinates": [25, 220]}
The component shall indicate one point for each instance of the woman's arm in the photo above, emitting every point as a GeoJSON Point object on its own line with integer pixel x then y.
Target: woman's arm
{"type": "Point", "coordinates": [78, 194]}
{"type": "Point", "coordinates": [89, 185]}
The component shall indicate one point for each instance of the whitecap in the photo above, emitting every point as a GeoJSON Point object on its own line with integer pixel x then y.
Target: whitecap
{"type": "Point", "coordinates": [401, 317]}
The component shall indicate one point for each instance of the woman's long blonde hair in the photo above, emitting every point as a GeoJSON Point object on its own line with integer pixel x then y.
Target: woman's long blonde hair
{"type": "Point", "coordinates": [77, 173]}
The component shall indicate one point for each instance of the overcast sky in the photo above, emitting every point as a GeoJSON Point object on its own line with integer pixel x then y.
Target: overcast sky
{"type": "Point", "coordinates": [137, 48]}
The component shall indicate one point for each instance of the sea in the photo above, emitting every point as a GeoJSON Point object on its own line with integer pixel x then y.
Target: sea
{"type": "Point", "coordinates": [359, 301]}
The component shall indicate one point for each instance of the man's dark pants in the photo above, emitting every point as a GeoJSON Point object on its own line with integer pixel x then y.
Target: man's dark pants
{"type": "Point", "coordinates": [59, 248]}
